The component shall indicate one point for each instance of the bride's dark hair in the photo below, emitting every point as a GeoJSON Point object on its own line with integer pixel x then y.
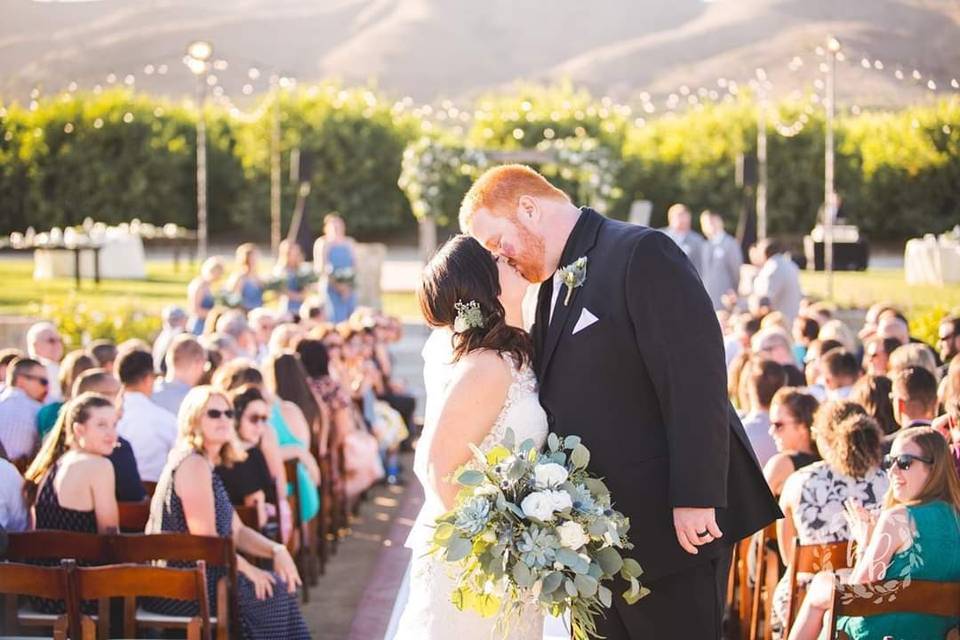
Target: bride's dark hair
{"type": "Point", "coordinates": [461, 271]}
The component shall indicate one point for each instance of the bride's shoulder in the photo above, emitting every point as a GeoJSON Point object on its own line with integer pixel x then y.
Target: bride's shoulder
{"type": "Point", "coordinates": [484, 366]}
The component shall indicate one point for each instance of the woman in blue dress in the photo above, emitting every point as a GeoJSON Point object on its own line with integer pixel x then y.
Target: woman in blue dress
{"type": "Point", "coordinates": [200, 297]}
{"type": "Point", "coordinates": [334, 255]}
{"type": "Point", "coordinates": [245, 283]}
{"type": "Point", "coordinates": [191, 498]}
{"type": "Point", "coordinates": [915, 538]}
{"type": "Point", "coordinates": [288, 268]}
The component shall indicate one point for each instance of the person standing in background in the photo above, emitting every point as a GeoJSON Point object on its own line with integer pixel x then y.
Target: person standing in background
{"type": "Point", "coordinates": [679, 228]}
{"type": "Point", "coordinates": [335, 255]}
{"type": "Point", "coordinates": [45, 345]}
{"type": "Point", "coordinates": [778, 279]}
{"type": "Point", "coordinates": [200, 297]}
{"type": "Point", "coordinates": [720, 259]}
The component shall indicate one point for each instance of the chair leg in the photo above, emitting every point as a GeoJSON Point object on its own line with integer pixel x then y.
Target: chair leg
{"type": "Point", "coordinates": [771, 581]}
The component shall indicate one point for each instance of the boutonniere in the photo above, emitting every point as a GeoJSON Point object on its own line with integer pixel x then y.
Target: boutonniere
{"type": "Point", "coordinates": [573, 275]}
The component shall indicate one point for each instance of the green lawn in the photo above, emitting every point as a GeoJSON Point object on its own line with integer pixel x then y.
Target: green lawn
{"type": "Point", "coordinates": [20, 294]}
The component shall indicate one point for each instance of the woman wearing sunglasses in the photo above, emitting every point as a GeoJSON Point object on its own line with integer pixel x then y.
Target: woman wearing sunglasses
{"type": "Point", "coordinates": [250, 482]}
{"type": "Point", "coordinates": [791, 418]}
{"type": "Point", "coordinates": [917, 537]}
{"type": "Point", "coordinates": [191, 498]}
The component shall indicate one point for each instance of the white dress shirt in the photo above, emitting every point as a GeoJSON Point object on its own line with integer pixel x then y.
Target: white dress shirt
{"type": "Point", "coordinates": [18, 423]}
{"type": "Point", "coordinates": [151, 431]}
{"type": "Point", "coordinates": [13, 511]}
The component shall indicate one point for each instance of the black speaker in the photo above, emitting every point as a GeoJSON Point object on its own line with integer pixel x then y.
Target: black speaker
{"type": "Point", "coordinates": [301, 166]}
{"type": "Point", "coordinates": [746, 170]}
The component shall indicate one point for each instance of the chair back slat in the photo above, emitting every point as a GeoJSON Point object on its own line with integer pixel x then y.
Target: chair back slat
{"type": "Point", "coordinates": [248, 515]}
{"type": "Point", "coordinates": [54, 545]}
{"type": "Point", "coordinates": [33, 580]}
{"type": "Point", "coordinates": [899, 596]}
{"type": "Point", "coordinates": [812, 558]}
{"type": "Point", "coordinates": [172, 546]}
{"type": "Point", "coordinates": [133, 516]}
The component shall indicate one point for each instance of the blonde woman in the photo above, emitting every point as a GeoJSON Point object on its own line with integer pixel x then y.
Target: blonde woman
{"type": "Point", "coordinates": [191, 498]}
{"type": "Point", "coordinates": [245, 282]}
{"type": "Point", "coordinates": [200, 298]}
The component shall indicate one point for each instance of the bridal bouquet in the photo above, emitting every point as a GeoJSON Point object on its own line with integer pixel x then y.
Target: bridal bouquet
{"type": "Point", "coordinates": [535, 528]}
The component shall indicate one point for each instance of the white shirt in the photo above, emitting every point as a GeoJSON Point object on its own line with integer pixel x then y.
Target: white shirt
{"type": "Point", "coordinates": [13, 511]}
{"type": "Point", "coordinates": [151, 431]}
{"type": "Point", "coordinates": [54, 392]}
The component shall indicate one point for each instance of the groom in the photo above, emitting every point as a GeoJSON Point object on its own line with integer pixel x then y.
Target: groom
{"type": "Point", "coordinates": [630, 357]}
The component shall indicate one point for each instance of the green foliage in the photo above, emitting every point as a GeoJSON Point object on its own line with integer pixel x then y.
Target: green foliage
{"type": "Point", "coordinates": [79, 323]}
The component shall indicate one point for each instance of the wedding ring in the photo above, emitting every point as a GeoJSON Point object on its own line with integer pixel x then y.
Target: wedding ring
{"type": "Point", "coordinates": [703, 534]}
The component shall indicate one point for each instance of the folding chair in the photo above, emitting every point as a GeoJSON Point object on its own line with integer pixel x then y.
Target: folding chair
{"type": "Point", "coordinates": [813, 558]}
{"type": "Point", "coordinates": [913, 596]}
{"type": "Point", "coordinates": [43, 582]}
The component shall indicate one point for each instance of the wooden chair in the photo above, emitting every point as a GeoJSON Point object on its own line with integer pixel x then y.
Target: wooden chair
{"type": "Point", "coordinates": [738, 592]}
{"type": "Point", "coordinates": [767, 564]}
{"type": "Point", "coordinates": [183, 547]}
{"type": "Point", "coordinates": [43, 582]}
{"type": "Point", "coordinates": [49, 545]}
{"type": "Point", "coordinates": [131, 580]}
{"type": "Point", "coordinates": [133, 516]}
{"type": "Point", "coordinates": [300, 544]}
{"type": "Point", "coordinates": [812, 558]}
{"type": "Point", "coordinates": [248, 515]}
{"type": "Point", "coordinates": [914, 596]}
{"type": "Point", "coordinates": [149, 487]}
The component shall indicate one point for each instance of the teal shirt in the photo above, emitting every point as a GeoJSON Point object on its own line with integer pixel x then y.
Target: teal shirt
{"type": "Point", "coordinates": [934, 555]}
{"type": "Point", "coordinates": [47, 418]}
{"type": "Point", "coordinates": [309, 496]}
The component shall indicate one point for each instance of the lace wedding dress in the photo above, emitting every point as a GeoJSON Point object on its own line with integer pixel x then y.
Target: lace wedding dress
{"type": "Point", "coordinates": [429, 614]}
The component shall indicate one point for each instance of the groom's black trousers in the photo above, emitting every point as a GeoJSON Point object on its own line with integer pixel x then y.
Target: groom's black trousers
{"type": "Point", "coordinates": [687, 605]}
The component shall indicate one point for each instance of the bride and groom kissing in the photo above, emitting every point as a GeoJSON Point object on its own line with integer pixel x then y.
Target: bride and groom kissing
{"type": "Point", "coordinates": [625, 351]}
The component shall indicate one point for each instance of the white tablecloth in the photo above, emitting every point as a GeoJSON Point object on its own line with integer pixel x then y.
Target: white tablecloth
{"type": "Point", "coordinates": [121, 258]}
{"type": "Point", "coordinates": [930, 260]}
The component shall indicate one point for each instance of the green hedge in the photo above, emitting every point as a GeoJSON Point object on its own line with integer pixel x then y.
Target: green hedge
{"type": "Point", "coordinates": [898, 172]}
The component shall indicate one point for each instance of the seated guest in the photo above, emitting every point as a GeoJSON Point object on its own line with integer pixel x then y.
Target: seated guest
{"type": "Point", "coordinates": [838, 331]}
{"type": "Point", "coordinates": [20, 402]}
{"type": "Point", "coordinates": [174, 322]}
{"type": "Point", "coordinates": [812, 369]}
{"type": "Point", "coordinates": [233, 323]}
{"type": "Point", "coordinates": [262, 321]}
{"type": "Point", "coordinates": [913, 355]}
{"type": "Point", "coordinates": [775, 344]}
{"type": "Point", "coordinates": [891, 324]}
{"type": "Point", "coordinates": [7, 356]}
{"type": "Point", "coordinates": [249, 482]}
{"type": "Point", "coordinates": [914, 538]}
{"type": "Point", "coordinates": [150, 429]}
{"type": "Point", "coordinates": [765, 378]}
{"type": "Point", "coordinates": [948, 341]}
{"type": "Point", "coordinates": [105, 354]}
{"type": "Point", "coordinates": [914, 398]}
{"type": "Point", "coordinates": [876, 355]}
{"type": "Point", "coordinates": [74, 363]}
{"type": "Point", "coordinates": [953, 431]}
{"type": "Point", "coordinates": [70, 483]}
{"type": "Point", "coordinates": [45, 345]}
{"type": "Point", "coordinates": [186, 361]}
{"type": "Point", "coordinates": [791, 418]}
{"type": "Point", "coordinates": [840, 371]}
{"type": "Point", "coordinates": [805, 330]}
{"type": "Point", "coordinates": [128, 486]}
{"type": "Point", "coordinates": [813, 497]}
{"type": "Point", "coordinates": [13, 510]}
{"type": "Point", "coordinates": [873, 393]}
{"type": "Point", "coordinates": [191, 498]}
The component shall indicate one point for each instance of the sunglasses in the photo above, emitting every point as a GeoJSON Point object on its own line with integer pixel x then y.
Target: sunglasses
{"type": "Point", "coordinates": [42, 380]}
{"type": "Point", "coordinates": [216, 414]}
{"type": "Point", "coordinates": [258, 418]}
{"type": "Point", "coordinates": [903, 461]}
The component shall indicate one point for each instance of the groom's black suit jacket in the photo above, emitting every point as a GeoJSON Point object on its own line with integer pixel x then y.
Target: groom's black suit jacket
{"type": "Point", "coordinates": [646, 388]}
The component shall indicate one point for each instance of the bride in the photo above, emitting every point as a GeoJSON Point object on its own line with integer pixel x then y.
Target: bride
{"type": "Point", "coordinates": [480, 382]}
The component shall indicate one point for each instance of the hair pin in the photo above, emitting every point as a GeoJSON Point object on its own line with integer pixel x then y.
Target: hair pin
{"type": "Point", "coordinates": [469, 316]}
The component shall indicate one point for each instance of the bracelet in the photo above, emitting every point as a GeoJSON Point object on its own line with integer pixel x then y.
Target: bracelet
{"type": "Point", "coordinates": [277, 548]}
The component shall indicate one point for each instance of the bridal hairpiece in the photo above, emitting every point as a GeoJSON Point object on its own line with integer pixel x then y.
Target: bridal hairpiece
{"type": "Point", "coordinates": [469, 316]}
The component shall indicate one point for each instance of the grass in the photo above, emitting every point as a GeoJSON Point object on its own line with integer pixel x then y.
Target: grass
{"type": "Point", "coordinates": [20, 294]}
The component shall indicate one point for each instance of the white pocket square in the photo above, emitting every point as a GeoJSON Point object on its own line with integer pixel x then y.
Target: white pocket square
{"type": "Point", "coordinates": [586, 319]}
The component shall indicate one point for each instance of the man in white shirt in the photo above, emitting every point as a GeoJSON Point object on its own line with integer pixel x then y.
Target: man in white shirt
{"type": "Point", "coordinates": [720, 259]}
{"type": "Point", "coordinates": [150, 429]}
{"type": "Point", "coordinates": [19, 404]}
{"type": "Point", "coordinates": [185, 360]}
{"type": "Point", "coordinates": [45, 345]}
{"type": "Point", "coordinates": [779, 280]}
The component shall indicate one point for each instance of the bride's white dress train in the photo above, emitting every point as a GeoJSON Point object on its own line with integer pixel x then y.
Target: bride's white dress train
{"type": "Point", "coordinates": [429, 614]}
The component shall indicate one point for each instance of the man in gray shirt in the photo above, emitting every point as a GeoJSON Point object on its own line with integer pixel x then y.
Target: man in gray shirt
{"type": "Point", "coordinates": [185, 360]}
{"type": "Point", "coordinates": [680, 231]}
{"type": "Point", "coordinates": [721, 259]}
{"type": "Point", "coordinates": [779, 280]}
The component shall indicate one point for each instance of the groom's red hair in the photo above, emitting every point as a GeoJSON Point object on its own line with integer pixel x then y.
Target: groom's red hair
{"type": "Point", "coordinates": [499, 189]}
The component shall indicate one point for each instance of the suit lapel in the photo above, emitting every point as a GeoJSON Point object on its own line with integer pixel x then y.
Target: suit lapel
{"type": "Point", "coordinates": [582, 240]}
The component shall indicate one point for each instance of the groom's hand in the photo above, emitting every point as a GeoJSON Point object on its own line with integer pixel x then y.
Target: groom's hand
{"type": "Point", "coordinates": [695, 526]}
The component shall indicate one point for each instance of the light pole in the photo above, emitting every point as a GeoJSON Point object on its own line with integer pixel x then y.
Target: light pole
{"type": "Point", "coordinates": [829, 193]}
{"type": "Point", "coordinates": [198, 61]}
{"type": "Point", "coordinates": [275, 164]}
{"type": "Point", "coordinates": [762, 155]}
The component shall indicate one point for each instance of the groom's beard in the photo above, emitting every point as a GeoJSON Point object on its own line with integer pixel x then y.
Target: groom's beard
{"type": "Point", "coordinates": [530, 261]}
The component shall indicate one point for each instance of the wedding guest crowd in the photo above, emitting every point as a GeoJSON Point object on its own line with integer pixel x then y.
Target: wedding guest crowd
{"type": "Point", "coordinates": [206, 416]}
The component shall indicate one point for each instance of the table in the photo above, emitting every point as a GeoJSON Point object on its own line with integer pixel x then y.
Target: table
{"type": "Point", "coordinates": [932, 260]}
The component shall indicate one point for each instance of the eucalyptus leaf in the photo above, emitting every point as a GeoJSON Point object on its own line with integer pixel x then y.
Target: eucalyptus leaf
{"type": "Point", "coordinates": [443, 532]}
{"type": "Point", "coordinates": [571, 442]}
{"type": "Point", "coordinates": [580, 457]}
{"type": "Point", "coordinates": [458, 548]}
{"type": "Point", "coordinates": [570, 588]}
{"type": "Point", "coordinates": [515, 510]}
{"type": "Point", "coordinates": [470, 478]}
{"type": "Point", "coordinates": [605, 595]}
{"type": "Point", "coordinates": [553, 442]}
{"type": "Point", "coordinates": [631, 568]}
{"type": "Point", "coordinates": [552, 581]}
{"type": "Point", "coordinates": [522, 574]}
{"type": "Point", "coordinates": [509, 438]}
{"type": "Point", "coordinates": [609, 560]}
{"type": "Point", "coordinates": [586, 585]}
{"type": "Point", "coordinates": [596, 487]}
{"type": "Point", "coordinates": [571, 559]}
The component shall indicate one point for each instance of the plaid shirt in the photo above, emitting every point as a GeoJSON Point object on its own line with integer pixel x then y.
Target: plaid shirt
{"type": "Point", "coordinates": [18, 423]}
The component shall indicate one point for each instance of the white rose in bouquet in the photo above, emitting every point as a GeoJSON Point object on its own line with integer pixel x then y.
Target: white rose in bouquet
{"type": "Point", "coordinates": [549, 475]}
{"type": "Point", "coordinates": [560, 500]}
{"type": "Point", "coordinates": [539, 505]}
{"type": "Point", "coordinates": [572, 535]}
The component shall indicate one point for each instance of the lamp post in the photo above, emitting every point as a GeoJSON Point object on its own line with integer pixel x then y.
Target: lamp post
{"type": "Point", "coordinates": [829, 193]}
{"type": "Point", "coordinates": [198, 61]}
{"type": "Point", "coordinates": [762, 155]}
{"type": "Point", "coordinates": [275, 164]}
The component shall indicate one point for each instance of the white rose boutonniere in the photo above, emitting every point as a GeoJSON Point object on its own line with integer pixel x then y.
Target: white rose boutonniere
{"type": "Point", "coordinates": [573, 275]}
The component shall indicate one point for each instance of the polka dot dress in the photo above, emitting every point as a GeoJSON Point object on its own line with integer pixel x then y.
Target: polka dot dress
{"type": "Point", "coordinates": [274, 617]}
